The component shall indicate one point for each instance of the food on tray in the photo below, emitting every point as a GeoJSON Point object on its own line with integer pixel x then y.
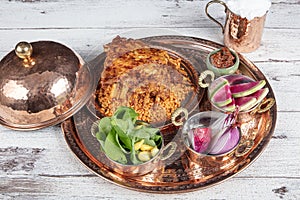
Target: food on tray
{"type": "Point", "coordinates": [149, 80]}
{"type": "Point", "coordinates": [223, 61]}
{"type": "Point", "coordinates": [126, 140]}
{"type": "Point", "coordinates": [237, 91]}
{"type": "Point", "coordinates": [200, 138]}
{"type": "Point", "coordinates": [245, 89]}
{"type": "Point", "coordinates": [212, 133]}
{"type": "Point", "coordinates": [222, 58]}
{"type": "Point", "coordinates": [226, 140]}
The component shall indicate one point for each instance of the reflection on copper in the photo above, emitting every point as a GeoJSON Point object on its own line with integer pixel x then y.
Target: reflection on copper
{"type": "Point", "coordinates": [241, 34]}
{"type": "Point", "coordinates": [58, 86]}
{"type": "Point", "coordinates": [12, 89]}
{"type": "Point", "coordinates": [52, 89]}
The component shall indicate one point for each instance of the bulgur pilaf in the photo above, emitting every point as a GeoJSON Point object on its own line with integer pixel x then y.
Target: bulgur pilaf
{"type": "Point", "coordinates": [146, 79]}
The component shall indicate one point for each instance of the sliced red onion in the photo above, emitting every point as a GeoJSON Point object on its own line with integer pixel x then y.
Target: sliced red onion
{"type": "Point", "coordinates": [220, 144]}
{"type": "Point", "coordinates": [216, 137]}
{"type": "Point", "coordinates": [226, 142]}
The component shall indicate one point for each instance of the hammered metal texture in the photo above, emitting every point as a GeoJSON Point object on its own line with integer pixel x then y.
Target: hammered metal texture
{"type": "Point", "coordinates": [182, 172]}
{"type": "Point", "coordinates": [39, 95]}
{"type": "Point", "coordinates": [241, 34]}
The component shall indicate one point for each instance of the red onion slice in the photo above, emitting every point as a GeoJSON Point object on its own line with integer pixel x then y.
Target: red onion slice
{"type": "Point", "coordinates": [228, 140]}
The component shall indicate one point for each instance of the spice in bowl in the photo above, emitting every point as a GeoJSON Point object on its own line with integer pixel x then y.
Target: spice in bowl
{"type": "Point", "coordinates": [222, 61]}
{"type": "Point", "coordinates": [222, 58]}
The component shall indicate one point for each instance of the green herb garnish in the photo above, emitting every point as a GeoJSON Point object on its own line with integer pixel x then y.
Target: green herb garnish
{"type": "Point", "coordinates": [125, 139]}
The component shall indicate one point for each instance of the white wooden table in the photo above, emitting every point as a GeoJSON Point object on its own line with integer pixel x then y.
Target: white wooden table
{"type": "Point", "coordinates": [39, 165]}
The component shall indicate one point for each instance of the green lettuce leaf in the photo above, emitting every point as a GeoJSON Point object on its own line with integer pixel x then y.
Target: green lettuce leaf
{"type": "Point", "coordinates": [113, 150]}
{"type": "Point", "coordinates": [118, 134]}
{"type": "Point", "coordinates": [104, 125]}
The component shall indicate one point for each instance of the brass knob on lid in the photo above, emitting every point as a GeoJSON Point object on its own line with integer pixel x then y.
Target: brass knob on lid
{"type": "Point", "coordinates": [24, 51]}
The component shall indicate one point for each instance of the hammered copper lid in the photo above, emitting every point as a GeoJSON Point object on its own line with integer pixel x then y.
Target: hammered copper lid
{"type": "Point", "coordinates": [41, 84]}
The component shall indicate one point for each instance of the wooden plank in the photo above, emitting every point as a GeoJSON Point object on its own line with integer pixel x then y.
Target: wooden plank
{"type": "Point", "coordinates": [94, 188]}
{"type": "Point", "coordinates": [134, 13]}
{"type": "Point", "coordinates": [283, 83]}
{"type": "Point", "coordinates": [89, 41]}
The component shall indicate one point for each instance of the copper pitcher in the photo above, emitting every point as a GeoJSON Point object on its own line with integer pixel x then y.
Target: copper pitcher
{"type": "Point", "coordinates": [241, 34]}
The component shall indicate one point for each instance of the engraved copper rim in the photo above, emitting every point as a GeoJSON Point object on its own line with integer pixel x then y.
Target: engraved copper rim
{"type": "Point", "coordinates": [179, 173]}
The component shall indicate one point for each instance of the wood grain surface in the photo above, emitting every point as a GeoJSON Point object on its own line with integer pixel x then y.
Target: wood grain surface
{"type": "Point", "coordinates": [39, 164]}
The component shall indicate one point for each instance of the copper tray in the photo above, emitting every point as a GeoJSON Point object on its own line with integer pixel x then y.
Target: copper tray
{"type": "Point", "coordinates": [179, 173]}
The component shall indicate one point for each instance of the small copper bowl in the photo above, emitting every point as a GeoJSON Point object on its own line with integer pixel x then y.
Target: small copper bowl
{"type": "Point", "coordinates": [204, 119]}
{"type": "Point", "coordinates": [155, 163]}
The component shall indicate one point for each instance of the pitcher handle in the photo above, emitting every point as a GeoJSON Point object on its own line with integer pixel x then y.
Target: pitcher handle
{"type": "Point", "coordinates": [212, 18]}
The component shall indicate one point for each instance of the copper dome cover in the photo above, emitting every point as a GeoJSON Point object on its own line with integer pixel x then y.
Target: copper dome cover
{"type": "Point", "coordinates": [41, 84]}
